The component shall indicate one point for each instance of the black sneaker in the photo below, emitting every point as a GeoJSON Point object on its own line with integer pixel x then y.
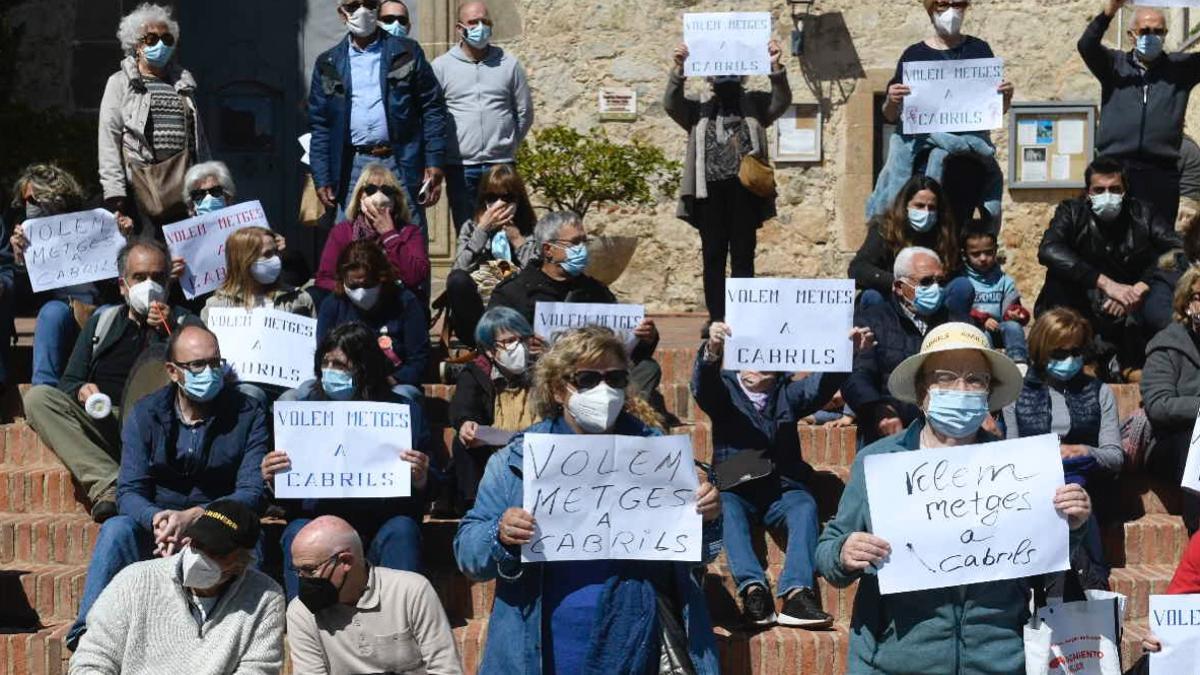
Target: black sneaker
{"type": "Point", "coordinates": [103, 510]}
{"type": "Point", "coordinates": [758, 606]}
{"type": "Point", "coordinates": [803, 609]}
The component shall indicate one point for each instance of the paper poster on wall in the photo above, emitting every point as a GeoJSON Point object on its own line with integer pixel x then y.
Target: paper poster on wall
{"type": "Point", "coordinates": [200, 241]}
{"type": "Point", "coordinates": [953, 96]}
{"type": "Point", "coordinates": [1045, 132]}
{"type": "Point", "coordinates": [727, 43]}
{"type": "Point", "coordinates": [1071, 136]}
{"type": "Point", "coordinates": [72, 248]}
{"type": "Point", "coordinates": [265, 346]}
{"type": "Point", "coordinates": [1027, 132]}
{"type": "Point", "coordinates": [789, 325]}
{"type": "Point", "coordinates": [1060, 167]}
{"type": "Point", "coordinates": [1175, 621]}
{"type": "Point", "coordinates": [1033, 164]}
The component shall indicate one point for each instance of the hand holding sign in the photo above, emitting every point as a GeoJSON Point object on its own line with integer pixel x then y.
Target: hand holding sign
{"type": "Point", "coordinates": [789, 325]}
{"type": "Point", "coordinates": [727, 43]}
{"type": "Point", "coordinates": [200, 242]}
{"type": "Point", "coordinates": [70, 248]}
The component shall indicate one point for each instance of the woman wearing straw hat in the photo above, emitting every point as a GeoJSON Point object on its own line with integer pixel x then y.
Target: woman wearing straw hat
{"type": "Point", "coordinates": [956, 380]}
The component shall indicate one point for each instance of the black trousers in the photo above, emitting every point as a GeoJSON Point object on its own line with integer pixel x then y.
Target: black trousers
{"type": "Point", "coordinates": [1156, 185]}
{"type": "Point", "coordinates": [728, 221]}
{"type": "Point", "coordinates": [466, 306]}
{"type": "Point", "coordinates": [1167, 463]}
{"type": "Point", "coordinates": [1123, 337]}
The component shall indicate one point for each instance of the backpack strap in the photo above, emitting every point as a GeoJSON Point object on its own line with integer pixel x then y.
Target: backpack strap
{"type": "Point", "coordinates": [108, 316]}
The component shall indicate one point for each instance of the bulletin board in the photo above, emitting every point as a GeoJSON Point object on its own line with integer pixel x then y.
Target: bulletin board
{"type": "Point", "coordinates": [798, 134]}
{"type": "Point", "coordinates": [1050, 144]}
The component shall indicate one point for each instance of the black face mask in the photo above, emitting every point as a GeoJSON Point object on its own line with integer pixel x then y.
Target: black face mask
{"type": "Point", "coordinates": [317, 593]}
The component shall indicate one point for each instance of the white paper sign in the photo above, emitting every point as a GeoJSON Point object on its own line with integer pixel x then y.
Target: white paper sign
{"type": "Point", "coordinates": [1166, 3]}
{"type": "Point", "coordinates": [342, 449]}
{"type": "Point", "coordinates": [953, 96]}
{"type": "Point", "coordinates": [969, 514]}
{"type": "Point", "coordinates": [611, 497]}
{"type": "Point", "coordinates": [789, 325]}
{"type": "Point", "coordinates": [1175, 621]}
{"type": "Point", "coordinates": [266, 346]}
{"type": "Point", "coordinates": [552, 319]}
{"type": "Point", "coordinates": [200, 241]}
{"type": "Point", "coordinates": [1191, 468]}
{"type": "Point", "coordinates": [1083, 637]}
{"type": "Point", "coordinates": [72, 248]}
{"type": "Point", "coordinates": [727, 43]}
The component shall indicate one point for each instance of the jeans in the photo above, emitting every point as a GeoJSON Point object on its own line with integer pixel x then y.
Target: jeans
{"type": "Point", "coordinates": [959, 296]}
{"type": "Point", "coordinates": [462, 189]}
{"type": "Point", "coordinates": [121, 542]}
{"type": "Point", "coordinates": [396, 544]}
{"type": "Point", "coordinates": [1011, 336]}
{"type": "Point", "coordinates": [54, 337]}
{"type": "Point", "coordinates": [789, 505]}
{"type": "Point", "coordinates": [869, 298]}
{"type": "Point", "coordinates": [414, 207]}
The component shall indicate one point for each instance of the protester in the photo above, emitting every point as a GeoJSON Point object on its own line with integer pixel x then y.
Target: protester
{"type": "Point", "coordinates": [997, 308]}
{"type": "Point", "coordinates": [394, 18]}
{"type": "Point", "coordinates": [490, 106]}
{"type": "Point", "coordinates": [915, 307]}
{"type": "Point", "coordinates": [1158, 310]}
{"type": "Point", "coordinates": [1186, 581]}
{"type": "Point", "coordinates": [252, 270]}
{"type": "Point", "coordinates": [754, 416]}
{"type": "Point", "coordinates": [1189, 185]}
{"type": "Point", "coordinates": [107, 348]}
{"type": "Point", "coordinates": [217, 438]}
{"type": "Point", "coordinates": [492, 246]}
{"type": "Point", "coordinates": [231, 619]}
{"type": "Point", "coordinates": [725, 133]}
{"type": "Point", "coordinates": [1144, 96]}
{"type": "Point", "coordinates": [492, 391]}
{"type": "Point", "coordinates": [349, 366]}
{"type": "Point", "coordinates": [956, 379]}
{"type": "Point", "coordinates": [557, 617]}
{"type": "Point", "coordinates": [148, 117]}
{"type": "Point", "coordinates": [1171, 391]}
{"type": "Point", "coordinates": [377, 211]}
{"type": "Point", "coordinates": [560, 277]}
{"type": "Point", "coordinates": [1099, 252]}
{"type": "Point", "coordinates": [390, 111]}
{"type": "Point", "coordinates": [346, 602]}
{"type": "Point", "coordinates": [367, 292]}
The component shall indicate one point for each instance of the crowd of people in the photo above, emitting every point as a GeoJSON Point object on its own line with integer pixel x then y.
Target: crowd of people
{"type": "Point", "coordinates": [178, 462]}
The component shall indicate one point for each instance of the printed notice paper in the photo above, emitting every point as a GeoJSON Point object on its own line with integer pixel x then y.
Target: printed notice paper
{"type": "Point", "coordinates": [72, 248]}
{"type": "Point", "coordinates": [200, 241]}
{"type": "Point", "coordinates": [611, 497]}
{"type": "Point", "coordinates": [343, 449]}
{"type": "Point", "coordinates": [789, 325]}
{"type": "Point", "coordinates": [1175, 621]}
{"type": "Point", "coordinates": [551, 319]}
{"type": "Point", "coordinates": [266, 346]}
{"type": "Point", "coordinates": [970, 514]}
{"type": "Point", "coordinates": [954, 96]}
{"type": "Point", "coordinates": [727, 43]}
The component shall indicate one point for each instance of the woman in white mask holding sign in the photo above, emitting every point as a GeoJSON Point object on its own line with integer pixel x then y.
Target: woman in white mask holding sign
{"type": "Point", "coordinates": [615, 616]}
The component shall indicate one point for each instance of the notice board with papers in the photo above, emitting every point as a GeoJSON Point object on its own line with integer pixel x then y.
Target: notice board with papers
{"type": "Point", "coordinates": [1050, 144]}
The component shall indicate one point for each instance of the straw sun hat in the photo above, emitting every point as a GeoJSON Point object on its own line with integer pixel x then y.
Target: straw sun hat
{"type": "Point", "coordinates": [1006, 379]}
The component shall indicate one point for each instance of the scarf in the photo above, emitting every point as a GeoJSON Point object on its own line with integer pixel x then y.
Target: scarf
{"type": "Point", "coordinates": [625, 638]}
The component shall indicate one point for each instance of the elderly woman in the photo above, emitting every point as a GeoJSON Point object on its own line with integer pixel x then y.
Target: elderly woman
{"type": "Point", "coordinates": [350, 367]}
{"type": "Point", "coordinates": [723, 131]}
{"type": "Point", "coordinates": [1171, 390]}
{"type": "Point", "coordinates": [555, 617]}
{"type": "Point", "coordinates": [956, 379]}
{"type": "Point", "coordinates": [150, 131]}
{"type": "Point", "coordinates": [492, 391]}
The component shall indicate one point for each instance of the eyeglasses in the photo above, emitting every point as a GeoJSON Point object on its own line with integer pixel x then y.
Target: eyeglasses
{"type": "Point", "coordinates": [1160, 32]}
{"type": "Point", "coordinates": [472, 22]}
{"type": "Point", "coordinates": [508, 342]}
{"type": "Point", "coordinates": [590, 379]}
{"type": "Point", "coordinates": [924, 282]}
{"type": "Point", "coordinates": [567, 243]}
{"type": "Point", "coordinates": [1060, 354]}
{"type": "Point", "coordinates": [370, 189]}
{"type": "Point", "coordinates": [352, 7]}
{"type": "Point", "coordinates": [199, 365]}
{"type": "Point", "coordinates": [151, 39]}
{"type": "Point", "coordinates": [943, 5]}
{"type": "Point", "coordinates": [311, 570]}
{"type": "Point", "coordinates": [394, 18]}
{"type": "Point", "coordinates": [216, 191]}
{"type": "Point", "coordinates": [947, 379]}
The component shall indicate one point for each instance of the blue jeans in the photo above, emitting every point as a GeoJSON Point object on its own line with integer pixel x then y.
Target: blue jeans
{"type": "Point", "coordinates": [1011, 336]}
{"type": "Point", "coordinates": [414, 207]}
{"type": "Point", "coordinates": [869, 298]}
{"type": "Point", "coordinates": [395, 545]}
{"type": "Point", "coordinates": [462, 189]}
{"type": "Point", "coordinates": [959, 296]}
{"type": "Point", "coordinates": [54, 337]}
{"type": "Point", "coordinates": [121, 542]}
{"type": "Point", "coordinates": [791, 507]}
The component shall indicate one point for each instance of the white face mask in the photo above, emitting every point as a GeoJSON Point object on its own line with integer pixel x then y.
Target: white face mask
{"type": "Point", "coordinates": [364, 298]}
{"type": "Point", "coordinates": [199, 571]}
{"type": "Point", "coordinates": [362, 22]}
{"type": "Point", "coordinates": [266, 270]}
{"type": "Point", "coordinates": [949, 22]}
{"type": "Point", "coordinates": [1106, 205]}
{"type": "Point", "coordinates": [512, 359]}
{"type": "Point", "coordinates": [380, 201]}
{"type": "Point", "coordinates": [140, 295]}
{"type": "Point", "coordinates": [596, 410]}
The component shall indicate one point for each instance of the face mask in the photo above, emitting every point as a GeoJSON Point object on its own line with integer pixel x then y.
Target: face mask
{"type": "Point", "coordinates": [199, 571]}
{"type": "Point", "coordinates": [380, 201]}
{"type": "Point", "coordinates": [1106, 205]}
{"type": "Point", "coordinates": [209, 204]}
{"type": "Point", "coordinates": [501, 246]}
{"type": "Point", "coordinates": [34, 211]}
{"type": "Point", "coordinates": [922, 220]}
{"type": "Point", "coordinates": [596, 409]}
{"type": "Point", "coordinates": [512, 359]}
{"type": "Point", "coordinates": [955, 413]}
{"type": "Point", "coordinates": [317, 593]}
{"type": "Point", "coordinates": [949, 22]}
{"type": "Point", "coordinates": [756, 381]}
{"type": "Point", "coordinates": [395, 28]}
{"type": "Point", "coordinates": [203, 386]}
{"type": "Point", "coordinates": [928, 299]}
{"type": "Point", "coordinates": [364, 298]}
{"type": "Point", "coordinates": [577, 260]}
{"type": "Point", "coordinates": [478, 36]}
{"type": "Point", "coordinates": [1149, 47]}
{"type": "Point", "coordinates": [158, 55]}
{"type": "Point", "coordinates": [338, 384]}
{"type": "Point", "coordinates": [140, 295]}
{"type": "Point", "coordinates": [1064, 369]}
{"type": "Point", "coordinates": [266, 270]}
{"type": "Point", "coordinates": [362, 22]}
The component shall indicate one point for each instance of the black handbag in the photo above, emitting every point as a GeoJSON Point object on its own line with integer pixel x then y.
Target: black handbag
{"type": "Point", "coordinates": [745, 467]}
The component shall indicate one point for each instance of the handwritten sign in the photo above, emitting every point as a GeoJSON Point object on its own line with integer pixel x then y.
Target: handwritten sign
{"type": "Point", "coordinates": [727, 43]}
{"type": "Point", "coordinates": [611, 497]}
{"type": "Point", "coordinates": [266, 346]}
{"type": "Point", "coordinates": [1175, 621]}
{"type": "Point", "coordinates": [200, 241]}
{"type": "Point", "coordinates": [72, 248]}
{"type": "Point", "coordinates": [789, 325]}
{"type": "Point", "coordinates": [552, 319]}
{"type": "Point", "coordinates": [343, 449]}
{"type": "Point", "coordinates": [969, 514]}
{"type": "Point", "coordinates": [953, 96]}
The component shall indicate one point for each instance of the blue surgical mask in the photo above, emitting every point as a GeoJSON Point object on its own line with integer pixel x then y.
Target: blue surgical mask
{"type": "Point", "coordinates": [478, 36]}
{"type": "Point", "coordinates": [338, 384]}
{"type": "Point", "coordinates": [501, 246]}
{"type": "Point", "coordinates": [209, 204]}
{"type": "Point", "coordinates": [928, 299]}
{"type": "Point", "coordinates": [203, 386]}
{"type": "Point", "coordinates": [577, 260]}
{"type": "Point", "coordinates": [1064, 369]}
{"type": "Point", "coordinates": [158, 55]}
{"type": "Point", "coordinates": [395, 28]}
{"type": "Point", "coordinates": [1149, 47]}
{"type": "Point", "coordinates": [956, 413]}
{"type": "Point", "coordinates": [922, 220]}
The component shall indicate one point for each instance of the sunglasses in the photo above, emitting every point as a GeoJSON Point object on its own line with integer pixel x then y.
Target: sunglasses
{"type": "Point", "coordinates": [394, 18]}
{"type": "Point", "coordinates": [151, 39]}
{"type": "Point", "coordinates": [198, 194]}
{"type": "Point", "coordinates": [506, 197]}
{"type": "Point", "coordinates": [924, 282]}
{"type": "Point", "coordinates": [370, 190]}
{"type": "Point", "coordinates": [590, 379]}
{"type": "Point", "coordinates": [352, 7]}
{"type": "Point", "coordinates": [1160, 32]}
{"type": "Point", "coordinates": [1061, 354]}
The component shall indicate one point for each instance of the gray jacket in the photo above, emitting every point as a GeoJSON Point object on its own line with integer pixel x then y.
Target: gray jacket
{"type": "Point", "coordinates": [475, 248]}
{"type": "Point", "coordinates": [1107, 452]}
{"type": "Point", "coordinates": [491, 107]}
{"type": "Point", "coordinates": [1171, 380]}
{"type": "Point", "coordinates": [124, 115]}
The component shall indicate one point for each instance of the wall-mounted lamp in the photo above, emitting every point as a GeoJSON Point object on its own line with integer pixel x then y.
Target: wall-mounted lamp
{"type": "Point", "coordinates": [800, 9]}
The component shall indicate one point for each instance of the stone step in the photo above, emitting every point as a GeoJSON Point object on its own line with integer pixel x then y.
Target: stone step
{"type": "Point", "coordinates": [40, 489]}
{"type": "Point", "coordinates": [38, 595]}
{"type": "Point", "coordinates": [1157, 538]}
{"type": "Point", "coordinates": [1138, 583]}
{"type": "Point", "coordinates": [40, 652]}
{"type": "Point", "coordinates": [38, 539]}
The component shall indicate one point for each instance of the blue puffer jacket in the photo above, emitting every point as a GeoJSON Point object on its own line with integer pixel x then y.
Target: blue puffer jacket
{"type": "Point", "coordinates": [514, 640]}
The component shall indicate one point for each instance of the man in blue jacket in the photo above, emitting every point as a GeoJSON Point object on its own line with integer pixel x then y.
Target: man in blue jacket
{"type": "Point", "coordinates": [374, 98]}
{"type": "Point", "coordinates": [184, 446]}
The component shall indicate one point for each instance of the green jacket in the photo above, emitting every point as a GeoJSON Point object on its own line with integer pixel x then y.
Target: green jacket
{"type": "Point", "coordinates": [975, 629]}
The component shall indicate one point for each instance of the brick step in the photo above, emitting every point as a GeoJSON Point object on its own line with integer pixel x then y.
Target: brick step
{"type": "Point", "coordinates": [40, 652]}
{"type": "Point", "coordinates": [1138, 583]}
{"type": "Point", "coordinates": [20, 446]}
{"type": "Point", "coordinates": [724, 604]}
{"type": "Point", "coordinates": [38, 595]}
{"type": "Point", "coordinates": [1157, 538]}
{"type": "Point", "coordinates": [39, 539]}
{"type": "Point", "coordinates": [1133, 630]}
{"type": "Point", "coordinates": [40, 489]}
